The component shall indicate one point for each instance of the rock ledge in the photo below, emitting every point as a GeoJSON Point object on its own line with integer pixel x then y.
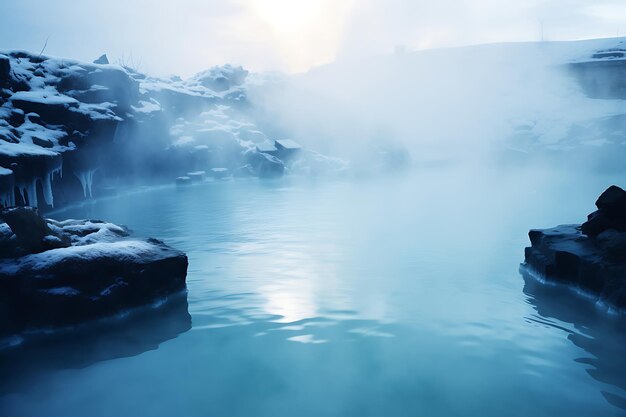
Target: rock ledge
{"type": "Point", "coordinates": [591, 256]}
{"type": "Point", "coordinates": [61, 274]}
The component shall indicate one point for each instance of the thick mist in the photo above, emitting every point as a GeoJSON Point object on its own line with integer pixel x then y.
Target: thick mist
{"type": "Point", "coordinates": [457, 104]}
{"type": "Point", "coordinates": [312, 208]}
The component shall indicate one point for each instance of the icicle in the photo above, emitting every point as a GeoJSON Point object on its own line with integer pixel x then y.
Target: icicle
{"type": "Point", "coordinates": [86, 180]}
{"type": "Point", "coordinates": [29, 191]}
{"type": "Point", "coordinates": [7, 190]}
{"type": "Point", "coordinates": [7, 199]}
{"type": "Point", "coordinates": [47, 189]}
{"type": "Point", "coordinates": [19, 190]}
{"type": "Point", "coordinates": [58, 169]}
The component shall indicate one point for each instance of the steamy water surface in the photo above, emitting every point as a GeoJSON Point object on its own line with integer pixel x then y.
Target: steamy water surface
{"type": "Point", "coordinates": [397, 296]}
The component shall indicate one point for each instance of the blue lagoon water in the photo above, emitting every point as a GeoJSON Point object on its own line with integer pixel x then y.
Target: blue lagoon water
{"type": "Point", "coordinates": [375, 297]}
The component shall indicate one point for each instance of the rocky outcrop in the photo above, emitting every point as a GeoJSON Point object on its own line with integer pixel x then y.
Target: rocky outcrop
{"type": "Point", "coordinates": [61, 274]}
{"type": "Point", "coordinates": [591, 256]}
{"type": "Point", "coordinates": [611, 213]}
{"type": "Point", "coordinates": [102, 124]}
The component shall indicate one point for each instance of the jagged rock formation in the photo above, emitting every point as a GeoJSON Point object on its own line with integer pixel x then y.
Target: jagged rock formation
{"type": "Point", "coordinates": [69, 128]}
{"type": "Point", "coordinates": [591, 256]}
{"type": "Point", "coordinates": [61, 274]}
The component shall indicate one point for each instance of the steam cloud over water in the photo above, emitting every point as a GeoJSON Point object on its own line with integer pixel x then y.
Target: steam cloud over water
{"type": "Point", "coordinates": [312, 208]}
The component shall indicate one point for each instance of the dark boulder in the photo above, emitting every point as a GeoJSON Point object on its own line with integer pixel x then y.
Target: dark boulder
{"type": "Point", "coordinates": [99, 273]}
{"type": "Point", "coordinates": [611, 213]}
{"type": "Point", "coordinates": [613, 202]}
{"type": "Point", "coordinates": [69, 286]}
{"type": "Point", "coordinates": [591, 256]}
{"type": "Point", "coordinates": [31, 230]}
{"type": "Point", "coordinates": [599, 221]}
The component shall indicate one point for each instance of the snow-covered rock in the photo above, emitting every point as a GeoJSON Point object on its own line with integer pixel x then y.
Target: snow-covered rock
{"type": "Point", "coordinates": [58, 274]}
{"type": "Point", "coordinates": [99, 122]}
{"type": "Point", "coordinates": [221, 78]}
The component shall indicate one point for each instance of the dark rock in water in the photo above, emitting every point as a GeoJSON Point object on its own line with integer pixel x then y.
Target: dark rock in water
{"type": "Point", "coordinates": [98, 273]}
{"type": "Point", "coordinates": [103, 60]}
{"type": "Point", "coordinates": [591, 256]}
{"type": "Point", "coordinates": [32, 232]}
{"type": "Point", "coordinates": [613, 202]}
{"type": "Point", "coordinates": [599, 221]}
{"type": "Point", "coordinates": [611, 213]}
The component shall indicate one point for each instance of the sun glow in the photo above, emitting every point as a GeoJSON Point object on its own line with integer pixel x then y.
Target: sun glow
{"type": "Point", "coordinates": [306, 32]}
{"type": "Point", "coordinates": [288, 16]}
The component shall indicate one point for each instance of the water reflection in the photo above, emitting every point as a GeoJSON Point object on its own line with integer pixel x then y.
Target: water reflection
{"type": "Point", "coordinates": [601, 335]}
{"type": "Point", "coordinates": [385, 298]}
{"type": "Point", "coordinates": [145, 329]}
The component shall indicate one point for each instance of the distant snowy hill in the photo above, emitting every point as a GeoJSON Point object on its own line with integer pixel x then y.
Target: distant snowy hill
{"type": "Point", "coordinates": [561, 100]}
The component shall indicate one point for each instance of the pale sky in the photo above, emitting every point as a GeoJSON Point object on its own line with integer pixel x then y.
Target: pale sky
{"type": "Point", "coordinates": [187, 36]}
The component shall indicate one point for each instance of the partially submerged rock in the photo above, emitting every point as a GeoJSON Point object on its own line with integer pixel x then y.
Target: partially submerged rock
{"type": "Point", "coordinates": [591, 256]}
{"type": "Point", "coordinates": [611, 213]}
{"type": "Point", "coordinates": [98, 272]}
